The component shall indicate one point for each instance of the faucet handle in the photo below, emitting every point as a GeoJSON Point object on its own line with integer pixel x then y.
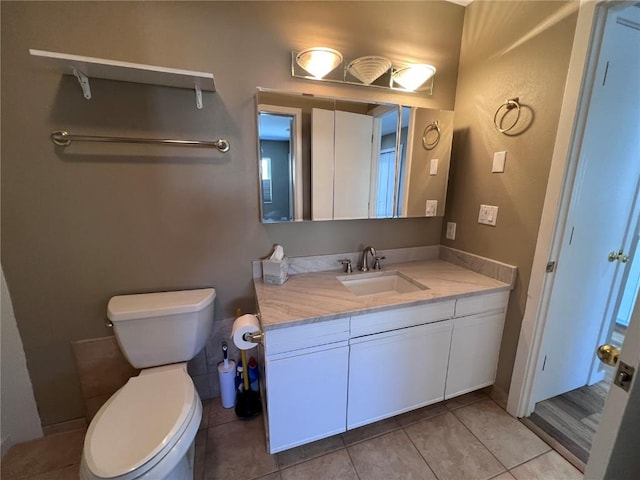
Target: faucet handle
{"type": "Point", "coordinates": [347, 265]}
{"type": "Point", "coordinates": [376, 263]}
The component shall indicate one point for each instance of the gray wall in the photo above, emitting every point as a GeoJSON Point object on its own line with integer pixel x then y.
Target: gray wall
{"type": "Point", "coordinates": [509, 49]}
{"type": "Point", "coordinates": [86, 223]}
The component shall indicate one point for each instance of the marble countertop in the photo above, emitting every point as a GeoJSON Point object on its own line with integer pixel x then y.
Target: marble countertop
{"type": "Point", "coordinates": [319, 296]}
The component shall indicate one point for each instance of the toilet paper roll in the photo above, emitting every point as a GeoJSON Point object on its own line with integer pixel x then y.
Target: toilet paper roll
{"type": "Point", "coordinates": [245, 324]}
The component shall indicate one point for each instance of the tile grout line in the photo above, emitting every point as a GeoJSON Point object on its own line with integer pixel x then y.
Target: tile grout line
{"type": "Point", "coordinates": [333, 450]}
{"type": "Point", "coordinates": [537, 456]}
{"type": "Point", "coordinates": [206, 447]}
{"type": "Point", "coordinates": [418, 450]}
{"type": "Point", "coordinates": [357, 442]}
{"type": "Point", "coordinates": [519, 464]}
{"type": "Point", "coordinates": [487, 397]}
{"type": "Point", "coordinates": [355, 469]}
{"type": "Point", "coordinates": [481, 442]}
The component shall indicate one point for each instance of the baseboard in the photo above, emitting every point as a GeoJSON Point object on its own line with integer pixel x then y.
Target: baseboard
{"type": "Point", "coordinates": [75, 424]}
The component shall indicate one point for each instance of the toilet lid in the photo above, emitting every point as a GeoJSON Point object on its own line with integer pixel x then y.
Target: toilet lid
{"type": "Point", "coordinates": [140, 420]}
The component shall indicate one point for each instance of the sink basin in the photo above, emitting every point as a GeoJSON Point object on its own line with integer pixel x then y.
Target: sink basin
{"type": "Point", "coordinates": [374, 283]}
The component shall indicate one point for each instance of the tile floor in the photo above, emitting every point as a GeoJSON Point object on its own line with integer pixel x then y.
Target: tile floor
{"type": "Point", "coordinates": [466, 438]}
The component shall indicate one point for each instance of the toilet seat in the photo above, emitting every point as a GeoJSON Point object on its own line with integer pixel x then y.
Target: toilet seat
{"type": "Point", "coordinates": [140, 423]}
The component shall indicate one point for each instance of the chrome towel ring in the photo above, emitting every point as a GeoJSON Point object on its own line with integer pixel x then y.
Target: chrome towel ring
{"type": "Point", "coordinates": [507, 106]}
{"type": "Point", "coordinates": [433, 126]}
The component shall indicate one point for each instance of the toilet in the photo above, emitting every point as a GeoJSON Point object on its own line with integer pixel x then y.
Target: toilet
{"type": "Point", "coordinates": [147, 429]}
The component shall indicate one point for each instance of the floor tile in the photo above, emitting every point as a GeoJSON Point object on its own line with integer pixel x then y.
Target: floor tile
{"type": "Point", "coordinates": [391, 456]}
{"type": "Point", "coordinates": [508, 439]}
{"type": "Point", "coordinates": [550, 466]}
{"type": "Point", "coordinates": [370, 431]}
{"type": "Point", "coordinates": [451, 451]}
{"type": "Point", "coordinates": [271, 476]}
{"type": "Point", "coordinates": [237, 450]}
{"type": "Point", "coordinates": [200, 455]}
{"type": "Point", "coordinates": [219, 415]}
{"type": "Point", "coordinates": [423, 413]}
{"type": "Point", "coordinates": [310, 450]}
{"type": "Point", "coordinates": [69, 473]}
{"type": "Point", "coordinates": [333, 466]}
{"type": "Point", "coordinates": [466, 399]}
{"type": "Point", "coordinates": [504, 476]}
{"type": "Point", "coordinates": [204, 423]}
{"type": "Point", "coordinates": [44, 454]}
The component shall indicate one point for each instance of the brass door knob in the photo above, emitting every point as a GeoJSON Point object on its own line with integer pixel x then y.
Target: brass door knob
{"type": "Point", "coordinates": [608, 354]}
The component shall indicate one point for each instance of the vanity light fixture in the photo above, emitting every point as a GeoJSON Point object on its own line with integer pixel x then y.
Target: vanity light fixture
{"type": "Point", "coordinates": [412, 77]}
{"type": "Point", "coordinates": [369, 69]}
{"type": "Point", "coordinates": [319, 61]}
{"type": "Point", "coordinates": [328, 65]}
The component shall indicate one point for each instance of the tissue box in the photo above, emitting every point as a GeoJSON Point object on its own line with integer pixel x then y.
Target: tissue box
{"type": "Point", "coordinates": [275, 272]}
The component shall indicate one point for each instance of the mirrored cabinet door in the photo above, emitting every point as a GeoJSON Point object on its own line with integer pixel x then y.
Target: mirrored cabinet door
{"type": "Point", "coordinates": [322, 158]}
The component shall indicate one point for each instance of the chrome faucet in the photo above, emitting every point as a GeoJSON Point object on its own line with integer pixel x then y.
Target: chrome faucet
{"type": "Point", "coordinates": [364, 266]}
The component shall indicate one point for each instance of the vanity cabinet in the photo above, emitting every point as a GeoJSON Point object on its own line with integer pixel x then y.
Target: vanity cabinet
{"type": "Point", "coordinates": [306, 371]}
{"type": "Point", "coordinates": [327, 377]}
{"type": "Point", "coordinates": [475, 342]}
{"type": "Point", "coordinates": [397, 371]}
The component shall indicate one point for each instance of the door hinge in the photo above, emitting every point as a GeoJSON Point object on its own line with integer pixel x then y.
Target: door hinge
{"type": "Point", "coordinates": [551, 266]}
{"type": "Point", "coordinates": [604, 78]}
{"type": "Point", "coordinates": [544, 362]}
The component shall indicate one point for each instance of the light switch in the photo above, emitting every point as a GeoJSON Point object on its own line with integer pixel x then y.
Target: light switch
{"type": "Point", "coordinates": [488, 215]}
{"type": "Point", "coordinates": [433, 168]}
{"type": "Point", "coordinates": [451, 231]}
{"type": "Point", "coordinates": [498, 162]}
{"type": "Point", "coordinates": [431, 209]}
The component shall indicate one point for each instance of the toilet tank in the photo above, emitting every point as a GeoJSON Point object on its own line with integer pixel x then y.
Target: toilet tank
{"type": "Point", "coordinates": [155, 329]}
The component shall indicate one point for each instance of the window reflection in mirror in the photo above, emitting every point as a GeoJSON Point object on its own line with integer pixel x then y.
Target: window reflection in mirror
{"type": "Point", "coordinates": [384, 161]}
{"type": "Point", "coordinates": [278, 143]}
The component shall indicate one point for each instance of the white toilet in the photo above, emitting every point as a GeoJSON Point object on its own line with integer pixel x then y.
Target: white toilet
{"type": "Point", "coordinates": [146, 430]}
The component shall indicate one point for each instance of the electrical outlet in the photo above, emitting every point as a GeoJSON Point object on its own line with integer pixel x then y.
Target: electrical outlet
{"type": "Point", "coordinates": [433, 167]}
{"type": "Point", "coordinates": [488, 215]}
{"type": "Point", "coordinates": [498, 162]}
{"type": "Point", "coordinates": [431, 209]}
{"type": "Point", "coordinates": [451, 231]}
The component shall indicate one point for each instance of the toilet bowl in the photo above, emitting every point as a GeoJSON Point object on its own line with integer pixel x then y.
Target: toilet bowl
{"type": "Point", "coordinates": [147, 429]}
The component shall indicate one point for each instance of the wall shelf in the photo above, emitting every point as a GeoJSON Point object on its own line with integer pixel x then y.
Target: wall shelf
{"type": "Point", "coordinates": [85, 68]}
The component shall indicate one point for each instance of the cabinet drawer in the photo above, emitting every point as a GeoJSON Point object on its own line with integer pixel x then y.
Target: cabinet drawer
{"type": "Point", "coordinates": [490, 302]}
{"type": "Point", "coordinates": [401, 318]}
{"type": "Point", "coordinates": [305, 336]}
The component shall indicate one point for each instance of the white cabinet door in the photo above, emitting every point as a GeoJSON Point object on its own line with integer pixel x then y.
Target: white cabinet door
{"type": "Point", "coordinates": [322, 153]}
{"type": "Point", "coordinates": [306, 396]}
{"type": "Point", "coordinates": [397, 371]}
{"type": "Point", "coordinates": [473, 359]}
{"type": "Point", "coordinates": [353, 141]}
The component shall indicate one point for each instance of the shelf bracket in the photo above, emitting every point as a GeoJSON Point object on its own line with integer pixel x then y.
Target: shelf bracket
{"type": "Point", "coordinates": [198, 97]}
{"type": "Point", "coordinates": [83, 80]}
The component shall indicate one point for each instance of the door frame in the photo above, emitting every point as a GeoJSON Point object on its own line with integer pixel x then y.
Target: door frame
{"type": "Point", "coordinates": [588, 36]}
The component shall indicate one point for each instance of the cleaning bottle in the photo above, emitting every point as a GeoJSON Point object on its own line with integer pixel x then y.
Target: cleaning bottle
{"type": "Point", "coordinates": [226, 371]}
{"type": "Point", "coordinates": [253, 374]}
{"type": "Point", "coordinates": [239, 381]}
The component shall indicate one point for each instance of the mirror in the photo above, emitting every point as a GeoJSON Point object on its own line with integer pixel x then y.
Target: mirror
{"type": "Point", "coordinates": [323, 158]}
